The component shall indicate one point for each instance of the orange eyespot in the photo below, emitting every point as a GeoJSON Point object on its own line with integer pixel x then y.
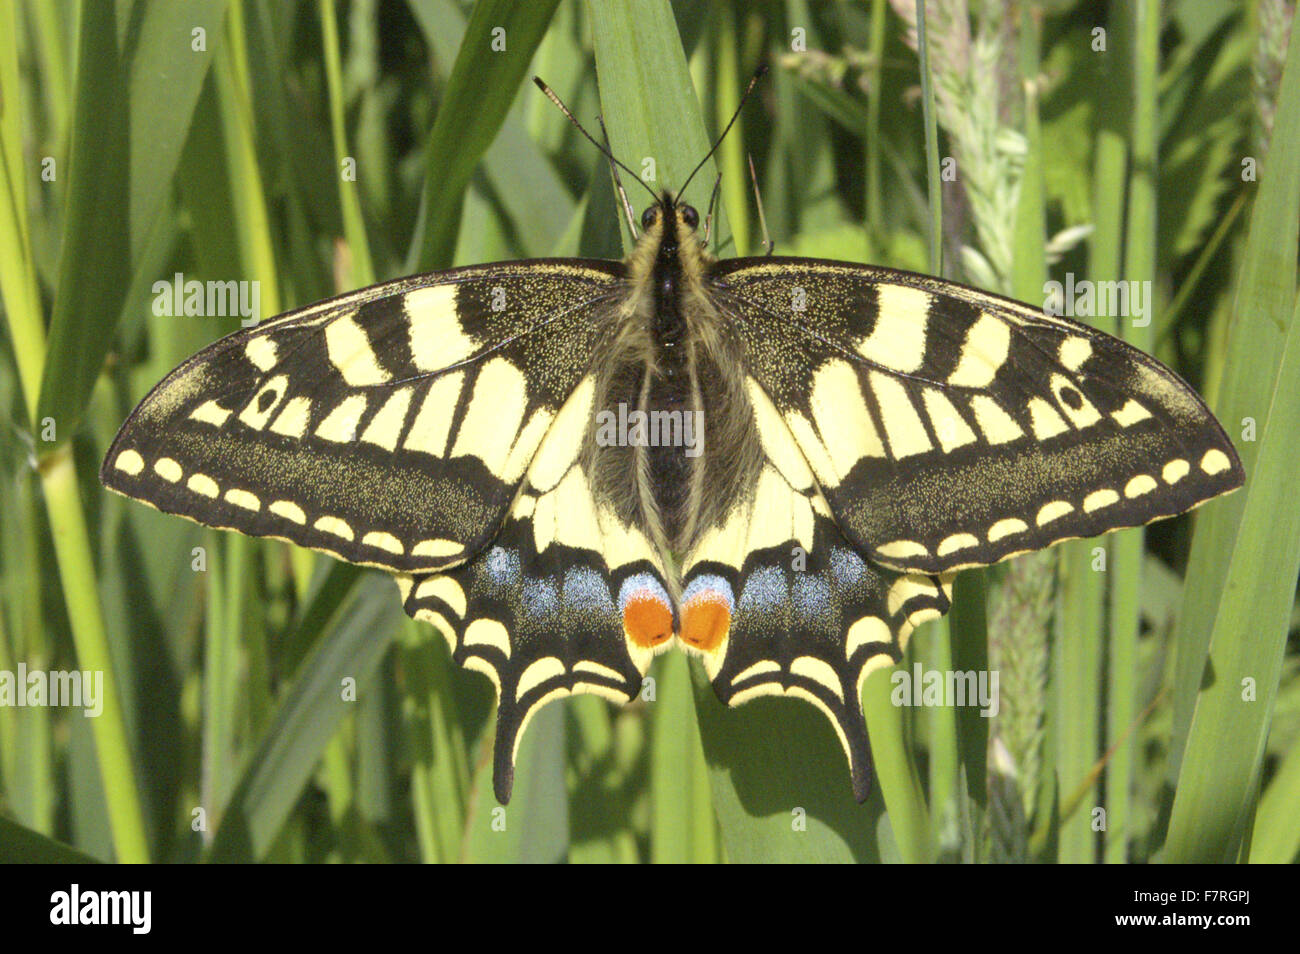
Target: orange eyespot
{"type": "Point", "coordinates": [647, 620]}
{"type": "Point", "coordinates": [706, 620]}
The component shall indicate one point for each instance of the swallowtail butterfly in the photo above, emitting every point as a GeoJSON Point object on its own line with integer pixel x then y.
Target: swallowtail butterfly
{"type": "Point", "coordinates": [777, 464]}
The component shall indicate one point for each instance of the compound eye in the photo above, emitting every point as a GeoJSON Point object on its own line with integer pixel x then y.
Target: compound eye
{"type": "Point", "coordinates": [690, 216]}
{"type": "Point", "coordinates": [650, 216]}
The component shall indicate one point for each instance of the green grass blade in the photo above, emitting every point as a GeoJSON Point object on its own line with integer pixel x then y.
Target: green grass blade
{"type": "Point", "coordinates": [22, 846]}
{"type": "Point", "coordinates": [1076, 684]}
{"type": "Point", "coordinates": [933, 645]}
{"type": "Point", "coordinates": [526, 186]}
{"type": "Point", "coordinates": [440, 774]}
{"type": "Point", "coordinates": [1262, 327]}
{"type": "Point", "coordinates": [875, 213]}
{"type": "Point", "coordinates": [22, 305]}
{"type": "Point", "coordinates": [354, 228]}
{"type": "Point", "coordinates": [681, 828]}
{"type": "Point", "coordinates": [1124, 574]}
{"type": "Point", "coordinates": [648, 102]}
{"type": "Point", "coordinates": [895, 770]}
{"type": "Point", "coordinates": [330, 589]}
{"type": "Point", "coordinates": [89, 635]}
{"type": "Point", "coordinates": [26, 761]}
{"type": "Point", "coordinates": [1276, 839]}
{"type": "Point", "coordinates": [95, 261]}
{"type": "Point", "coordinates": [1225, 745]}
{"type": "Point", "coordinates": [277, 768]}
{"type": "Point", "coordinates": [731, 153]}
{"type": "Point", "coordinates": [931, 144]}
{"type": "Point", "coordinates": [252, 225]}
{"type": "Point", "coordinates": [970, 653]}
{"type": "Point", "coordinates": [534, 827]}
{"type": "Point", "coordinates": [1261, 315]}
{"type": "Point", "coordinates": [781, 783]}
{"type": "Point", "coordinates": [134, 102]}
{"type": "Point", "coordinates": [167, 66]}
{"type": "Point", "coordinates": [478, 94]}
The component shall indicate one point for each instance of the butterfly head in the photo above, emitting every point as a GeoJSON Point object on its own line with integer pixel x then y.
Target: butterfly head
{"type": "Point", "coordinates": [671, 219]}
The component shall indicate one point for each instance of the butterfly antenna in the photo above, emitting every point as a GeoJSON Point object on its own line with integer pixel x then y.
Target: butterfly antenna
{"type": "Point", "coordinates": [758, 74]}
{"type": "Point", "coordinates": [550, 94]}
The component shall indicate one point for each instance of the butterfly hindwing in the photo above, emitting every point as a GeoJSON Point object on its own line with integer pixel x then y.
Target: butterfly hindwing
{"type": "Point", "coordinates": [566, 599]}
{"type": "Point", "coordinates": [950, 428]}
{"type": "Point", "coordinates": [390, 427]}
{"type": "Point", "coordinates": [777, 602]}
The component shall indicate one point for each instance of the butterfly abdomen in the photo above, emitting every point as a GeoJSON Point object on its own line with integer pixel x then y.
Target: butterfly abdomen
{"type": "Point", "coordinates": [668, 400]}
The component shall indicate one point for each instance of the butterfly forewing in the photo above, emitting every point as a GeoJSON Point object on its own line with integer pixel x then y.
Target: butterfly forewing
{"type": "Point", "coordinates": [947, 427]}
{"type": "Point", "coordinates": [390, 427]}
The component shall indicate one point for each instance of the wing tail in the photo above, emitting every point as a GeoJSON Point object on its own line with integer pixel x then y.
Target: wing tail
{"type": "Point", "coordinates": [565, 600]}
{"type": "Point", "coordinates": [777, 602]}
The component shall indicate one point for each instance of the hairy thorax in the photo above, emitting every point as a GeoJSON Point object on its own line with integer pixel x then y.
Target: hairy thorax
{"type": "Point", "coordinates": [680, 463]}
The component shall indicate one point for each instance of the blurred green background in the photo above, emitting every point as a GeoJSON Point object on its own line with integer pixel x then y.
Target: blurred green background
{"type": "Point", "coordinates": [265, 703]}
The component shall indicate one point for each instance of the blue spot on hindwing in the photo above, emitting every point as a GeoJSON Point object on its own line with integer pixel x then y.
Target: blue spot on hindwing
{"type": "Point", "coordinates": [639, 582]}
{"type": "Point", "coordinates": [540, 598]}
{"type": "Point", "coordinates": [585, 591]}
{"type": "Point", "coordinates": [710, 582]}
{"type": "Point", "coordinates": [502, 566]}
{"type": "Point", "coordinates": [765, 590]}
{"type": "Point", "coordinates": [811, 597]}
{"type": "Point", "coordinates": [847, 568]}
